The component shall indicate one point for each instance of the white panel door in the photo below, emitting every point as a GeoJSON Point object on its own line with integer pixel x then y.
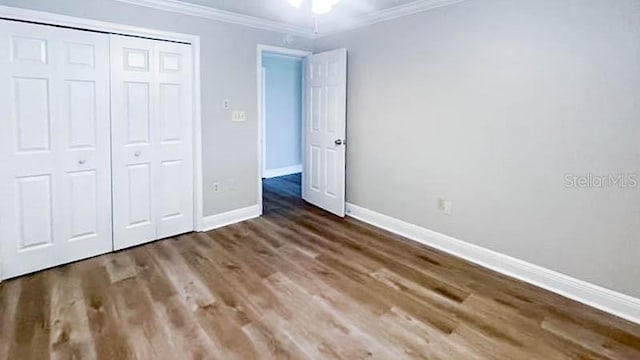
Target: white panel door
{"type": "Point", "coordinates": [323, 178]}
{"type": "Point", "coordinates": [55, 181]}
{"type": "Point", "coordinates": [151, 109]}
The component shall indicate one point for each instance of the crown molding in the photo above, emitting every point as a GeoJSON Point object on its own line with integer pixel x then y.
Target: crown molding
{"type": "Point", "coordinates": [384, 15]}
{"type": "Point", "coordinates": [329, 28]}
{"type": "Point", "coordinates": [207, 12]}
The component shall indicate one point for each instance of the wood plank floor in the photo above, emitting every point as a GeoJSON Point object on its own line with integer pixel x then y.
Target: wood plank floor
{"type": "Point", "coordinates": [295, 283]}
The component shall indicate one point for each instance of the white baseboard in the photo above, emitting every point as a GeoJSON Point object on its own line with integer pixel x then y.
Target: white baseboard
{"type": "Point", "coordinates": [271, 173]}
{"type": "Point", "coordinates": [230, 217]}
{"type": "Point", "coordinates": [613, 302]}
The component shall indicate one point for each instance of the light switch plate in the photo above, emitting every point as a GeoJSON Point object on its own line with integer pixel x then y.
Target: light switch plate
{"type": "Point", "coordinates": [238, 116]}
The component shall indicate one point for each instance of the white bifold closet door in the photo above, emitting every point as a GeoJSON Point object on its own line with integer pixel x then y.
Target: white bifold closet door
{"type": "Point", "coordinates": [55, 188]}
{"type": "Point", "coordinates": [152, 152]}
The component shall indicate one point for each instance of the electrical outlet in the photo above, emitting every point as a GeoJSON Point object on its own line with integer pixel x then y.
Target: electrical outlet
{"type": "Point", "coordinates": [226, 104]}
{"type": "Point", "coordinates": [216, 187]}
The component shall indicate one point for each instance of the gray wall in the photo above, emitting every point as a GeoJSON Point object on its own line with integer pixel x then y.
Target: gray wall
{"type": "Point", "coordinates": [489, 103]}
{"type": "Point", "coordinates": [228, 71]}
{"type": "Point", "coordinates": [283, 111]}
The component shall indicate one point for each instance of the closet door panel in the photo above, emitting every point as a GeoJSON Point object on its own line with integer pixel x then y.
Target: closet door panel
{"type": "Point", "coordinates": [132, 115]}
{"type": "Point", "coordinates": [54, 146]}
{"type": "Point", "coordinates": [151, 134]}
{"type": "Point", "coordinates": [174, 139]}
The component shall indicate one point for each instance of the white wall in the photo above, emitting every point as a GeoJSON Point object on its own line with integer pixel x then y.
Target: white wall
{"type": "Point", "coordinates": [283, 111]}
{"type": "Point", "coordinates": [228, 71]}
{"type": "Point", "coordinates": [489, 103]}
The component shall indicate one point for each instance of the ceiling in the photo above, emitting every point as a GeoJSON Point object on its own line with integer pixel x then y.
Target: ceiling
{"type": "Point", "coordinates": [281, 11]}
{"type": "Point", "coordinates": [278, 15]}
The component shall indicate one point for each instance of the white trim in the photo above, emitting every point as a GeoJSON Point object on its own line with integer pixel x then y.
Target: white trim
{"type": "Point", "coordinates": [332, 27]}
{"type": "Point", "coordinates": [198, 190]}
{"type": "Point", "coordinates": [112, 28]}
{"type": "Point", "coordinates": [395, 12]}
{"type": "Point", "coordinates": [212, 13]}
{"type": "Point", "coordinates": [613, 302]}
{"type": "Point", "coordinates": [230, 217]}
{"type": "Point", "coordinates": [288, 170]}
{"type": "Point", "coordinates": [276, 50]}
{"type": "Point", "coordinates": [15, 13]}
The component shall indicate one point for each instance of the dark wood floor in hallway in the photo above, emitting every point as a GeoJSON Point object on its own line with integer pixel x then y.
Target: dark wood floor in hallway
{"type": "Point", "coordinates": [295, 283]}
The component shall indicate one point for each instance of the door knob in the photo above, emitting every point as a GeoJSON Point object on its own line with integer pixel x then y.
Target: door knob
{"type": "Point", "coordinates": [338, 142]}
{"type": "Point", "coordinates": [137, 153]}
{"type": "Point", "coordinates": [81, 162]}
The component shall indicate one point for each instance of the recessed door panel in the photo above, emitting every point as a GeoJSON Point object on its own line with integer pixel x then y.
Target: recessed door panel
{"type": "Point", "coordinates": [139, 194]}
{"type": "Point", "coordinates": [136, 59]}
{"type": "Point", "coordinates": [137, 112]}
{"type": "Point", "coordinates": [170, 62]}
{"type": "Point", "coordinates": [34, 200]}
{"type": "Point", "coordinates": [80, 113]}
{"type": "Point", "coordinates": [315, 110]}
{"type": "Point", "coordinates": [31, 112]}
{"type": "Point", "coordinates": [171, 178]}
{"type": "Point", "coordinates": [80, 54]}
{"type": "Point", "coordinates": [314, 168]}
{"type": "Point", "coordinates": [28, 49]}
{"type": "Point", "coordinates": [83, 191]}
{"type": "Point", "coordinates": [170, 112]}
{"type": "Point", "coordinates": [333, 104]}
{"type": "Point", "coordinates": [331, 164]}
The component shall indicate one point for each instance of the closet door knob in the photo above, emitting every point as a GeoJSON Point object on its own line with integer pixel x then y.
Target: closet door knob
{"type": "Point", "coordinates": [81, 162]}
{"type": "Point", "coordinates": [137, 153]}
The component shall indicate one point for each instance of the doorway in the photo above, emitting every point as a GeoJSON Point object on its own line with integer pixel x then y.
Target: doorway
{"type": "Point", "coordinates": [281, 115]}
{"type": "Point", "coordinates": [320, 109]}
{"type": "Point", "coordinates": [281, 94]}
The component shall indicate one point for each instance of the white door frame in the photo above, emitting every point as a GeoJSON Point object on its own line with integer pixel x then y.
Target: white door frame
{"type": "Point", "coordinates": [261, 128]}
{"type": "Point", "coordinates": [45, 18]}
